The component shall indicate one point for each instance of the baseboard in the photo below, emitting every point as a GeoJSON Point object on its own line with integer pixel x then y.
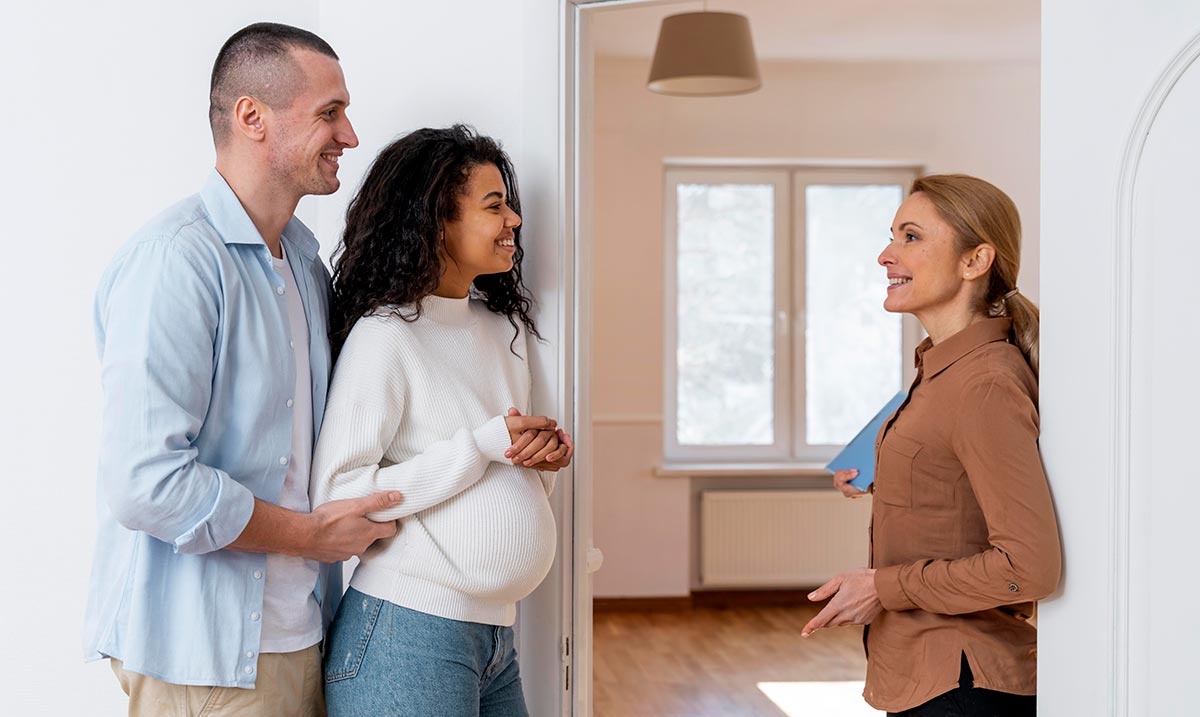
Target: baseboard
{"type": "Point", "coordinates": [642, 604]}
{"type": "Point", "coordinates": [749, 598]}
{"type": "Point", "coordinates": [702, 599]}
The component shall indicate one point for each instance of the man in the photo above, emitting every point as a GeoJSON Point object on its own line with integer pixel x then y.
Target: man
{"type": "Point", "coordinates": [208, 590]}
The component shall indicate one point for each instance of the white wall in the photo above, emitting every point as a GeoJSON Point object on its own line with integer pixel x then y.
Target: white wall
{"type": "Point", "coordinates": [1118, 639]}
{"type": "Point", "coordinates": [106, 125]}
{"type": "Point", "coordinates": [978, 118]}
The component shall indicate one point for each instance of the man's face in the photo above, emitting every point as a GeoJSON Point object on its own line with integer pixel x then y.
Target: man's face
{"type": "Point", "coordinates": [312, 132]}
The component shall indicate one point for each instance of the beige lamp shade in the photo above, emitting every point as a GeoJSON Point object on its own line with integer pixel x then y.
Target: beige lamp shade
{"type": "Point", "coordinates": [704, 54]}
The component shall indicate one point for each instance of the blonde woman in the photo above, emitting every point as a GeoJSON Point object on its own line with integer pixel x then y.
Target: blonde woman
{"type": "Point", "coordinates": [964, 538]}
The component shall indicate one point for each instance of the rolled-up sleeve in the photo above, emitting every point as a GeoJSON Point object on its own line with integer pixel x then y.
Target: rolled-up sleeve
{"type": "Point", "coordinates": [996, 440]}
{"type": "Point", "coordinates": [157, 316]}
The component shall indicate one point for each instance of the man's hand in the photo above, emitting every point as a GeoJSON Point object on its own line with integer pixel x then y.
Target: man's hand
{"type": "Point", "coordinates": [333, 532]}
{"type": "Point", "coordinates": [855, 601]}
{"type": "Point", "coordinates": [341, 528]}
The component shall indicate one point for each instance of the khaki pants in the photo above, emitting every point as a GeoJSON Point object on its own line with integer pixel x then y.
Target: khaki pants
{"type": "Point", "coordinates": [289, 684]}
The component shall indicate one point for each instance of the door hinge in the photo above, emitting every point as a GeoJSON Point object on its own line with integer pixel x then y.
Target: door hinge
{"type": "Point", "coordinates": [566, 660]}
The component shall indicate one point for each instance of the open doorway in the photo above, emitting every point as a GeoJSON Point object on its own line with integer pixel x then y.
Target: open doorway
{"type": "Point", "coordinates": [698, 606]}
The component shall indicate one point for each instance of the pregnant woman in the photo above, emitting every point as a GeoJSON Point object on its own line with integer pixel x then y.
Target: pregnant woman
{"type": "Point", "coordinates": [430, 398]}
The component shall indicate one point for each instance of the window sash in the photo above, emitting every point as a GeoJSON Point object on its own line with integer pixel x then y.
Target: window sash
{"type": "Point", "coordinates": [778, 449]}
{"type": "Point", "coordinates": [802, 179]}
{"type": "Point", "coordinates": [790, 186]}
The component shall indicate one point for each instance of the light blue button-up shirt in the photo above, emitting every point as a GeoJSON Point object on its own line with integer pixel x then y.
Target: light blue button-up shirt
{"type": "Point", "coordinates": [198, 375]}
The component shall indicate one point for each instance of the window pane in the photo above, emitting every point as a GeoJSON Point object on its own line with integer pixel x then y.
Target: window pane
{"type": "Point", "coordinates": [725, 354]}
{"type": "Point", "coordinates": [852, 349]}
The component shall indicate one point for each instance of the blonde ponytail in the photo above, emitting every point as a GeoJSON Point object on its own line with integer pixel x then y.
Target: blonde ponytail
{"type": "Point", "coordinates": [1026, 325]}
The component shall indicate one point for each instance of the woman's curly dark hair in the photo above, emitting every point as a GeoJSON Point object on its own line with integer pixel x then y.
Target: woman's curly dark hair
{"type": "Point", "coordinates": [390, 251]}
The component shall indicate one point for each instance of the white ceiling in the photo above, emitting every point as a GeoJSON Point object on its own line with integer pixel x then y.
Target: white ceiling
{"type": "Point", "coordinates": [846, 30]}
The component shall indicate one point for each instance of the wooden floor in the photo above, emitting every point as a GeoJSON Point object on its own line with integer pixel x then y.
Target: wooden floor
{"type": "Point", "coordinates": [709, 662]}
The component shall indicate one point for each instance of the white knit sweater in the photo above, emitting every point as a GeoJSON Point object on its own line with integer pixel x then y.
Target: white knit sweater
{"type": "Point", "coordinates": [419, 408]}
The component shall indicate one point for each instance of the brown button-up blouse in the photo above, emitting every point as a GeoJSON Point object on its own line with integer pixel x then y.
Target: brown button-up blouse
{"type": "Point", "coordinates": [963, 534]}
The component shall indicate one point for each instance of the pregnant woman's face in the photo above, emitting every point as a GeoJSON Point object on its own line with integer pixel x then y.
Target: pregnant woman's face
{"type": "Point", "coordinates": [481, 239]}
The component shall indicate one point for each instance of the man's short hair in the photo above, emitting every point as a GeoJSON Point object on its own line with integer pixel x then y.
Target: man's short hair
{"type": "Point", "coordinates": [256, 62]}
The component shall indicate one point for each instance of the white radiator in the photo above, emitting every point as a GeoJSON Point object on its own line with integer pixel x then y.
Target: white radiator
{"type": "Point", "coordinates": [780, 538]}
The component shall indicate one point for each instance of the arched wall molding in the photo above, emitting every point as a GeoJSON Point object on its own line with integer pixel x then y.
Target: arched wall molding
{"type": "Point", "coordinates": [1122, 367]}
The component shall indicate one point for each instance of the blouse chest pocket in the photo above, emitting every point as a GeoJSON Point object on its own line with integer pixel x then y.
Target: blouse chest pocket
{"type": "Point", "coordinates": [894, 475]}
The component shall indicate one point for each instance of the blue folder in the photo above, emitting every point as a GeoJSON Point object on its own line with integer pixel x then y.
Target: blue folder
{"type": "Point", "coordinates": [859, 453]}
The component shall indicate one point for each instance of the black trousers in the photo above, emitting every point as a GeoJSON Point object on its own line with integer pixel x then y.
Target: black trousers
{"type": "Point", "coordinates": [967, 700]}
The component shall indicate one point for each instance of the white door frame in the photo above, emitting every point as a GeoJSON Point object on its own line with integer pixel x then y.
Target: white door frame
{"type": "Point", "coordinates": [575, 159]}
{"type": "Point", "coordinates": [1117, 601]}
{"type": "Point", "coordinates": [1109, 593]}
{"type": "Point", "coordinates": [576, 63]}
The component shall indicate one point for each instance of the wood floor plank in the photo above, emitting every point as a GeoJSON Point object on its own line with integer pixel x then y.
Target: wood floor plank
{"type": "Point", "coordinates": [708, 662]}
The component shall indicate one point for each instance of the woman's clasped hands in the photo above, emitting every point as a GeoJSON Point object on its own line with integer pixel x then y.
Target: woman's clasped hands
{"type": "Point", "coordinates": [538, 442]}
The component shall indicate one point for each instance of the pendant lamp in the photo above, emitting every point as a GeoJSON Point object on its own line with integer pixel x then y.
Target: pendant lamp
{"type": "Point", "coordinates": [704, 54]}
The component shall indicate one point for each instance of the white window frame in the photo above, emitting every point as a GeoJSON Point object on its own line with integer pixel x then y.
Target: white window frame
{"type": "Point", "coordinates": [791, 180]}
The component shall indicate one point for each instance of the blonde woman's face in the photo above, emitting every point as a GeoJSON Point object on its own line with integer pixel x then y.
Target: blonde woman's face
{"type": "Point", "coordinates": [925, 271]}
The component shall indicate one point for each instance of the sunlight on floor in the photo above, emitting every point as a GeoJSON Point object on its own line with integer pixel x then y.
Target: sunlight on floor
{"type": "Point", "coordinates": [818, 699]}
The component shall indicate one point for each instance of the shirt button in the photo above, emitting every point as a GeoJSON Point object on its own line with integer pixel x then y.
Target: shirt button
{"type": "Point", "coordinates": [254, 616]}
{"type": "Point", "coordinates": [289, 403]}
{"type": "Point", "coordinates": [291, 344]}
{"type": "Point", "coordinates": [279, 290]}
{"type": "Point", "coordinates": [283, 460]}
{"type": "Point", "coordinates": [257, 576]}
{"type": "Point", "coordinates": [1014, 588]}
{"type": "Point", "coordinates": [249, 653]}
{"type": "Point", "coordinates": [249, 669]}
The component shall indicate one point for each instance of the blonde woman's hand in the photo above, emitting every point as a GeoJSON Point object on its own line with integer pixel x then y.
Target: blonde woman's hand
{"type": "Point", "coordinates": [841, 481]}
{"type": "Point", "coordinates": [853, 600]}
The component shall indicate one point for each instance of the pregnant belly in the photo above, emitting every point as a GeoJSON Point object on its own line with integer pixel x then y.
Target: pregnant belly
{"type": "Point", "coordinates": [498, 536]}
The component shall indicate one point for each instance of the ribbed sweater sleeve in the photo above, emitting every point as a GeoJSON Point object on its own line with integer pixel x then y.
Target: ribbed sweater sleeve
{"type": "Point", "coordinates": [365, 410]}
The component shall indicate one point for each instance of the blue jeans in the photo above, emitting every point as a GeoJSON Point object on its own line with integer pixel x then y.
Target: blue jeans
{"type": "Point", "coordinates": [385, 660]}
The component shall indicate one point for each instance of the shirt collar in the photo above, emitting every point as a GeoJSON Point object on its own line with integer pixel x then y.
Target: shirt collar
{"type": "Point", "coordinates": [940, 357]}
{"type": "Point", "coordinates": [231, 221]}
